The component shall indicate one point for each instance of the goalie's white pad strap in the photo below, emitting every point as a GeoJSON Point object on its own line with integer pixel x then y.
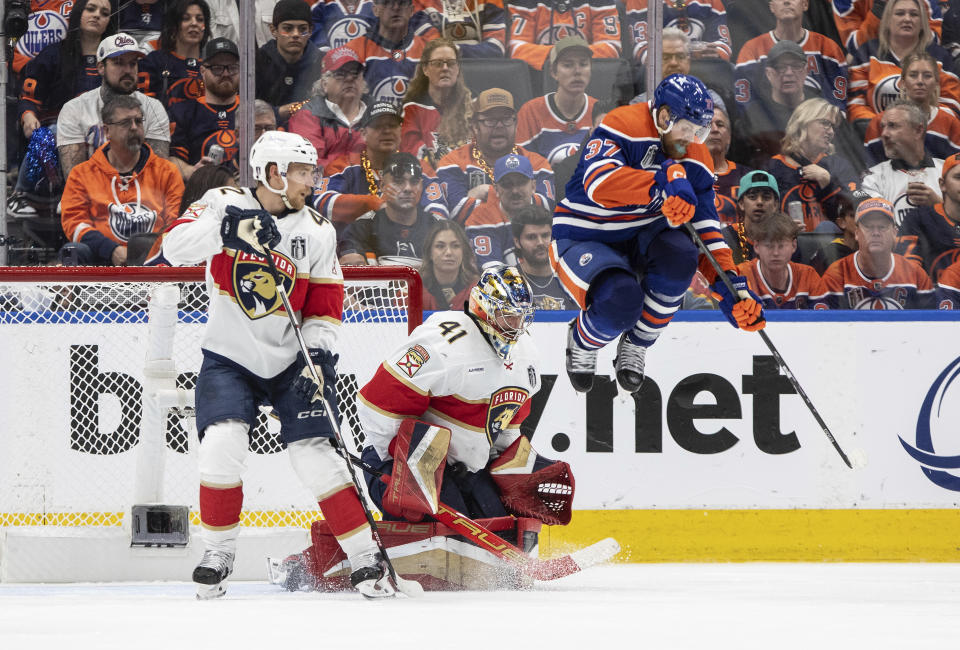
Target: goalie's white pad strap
{"type": "Point", "coordinates": [521, 463]}
{"type": "Point", "coordinates": [223, 452]}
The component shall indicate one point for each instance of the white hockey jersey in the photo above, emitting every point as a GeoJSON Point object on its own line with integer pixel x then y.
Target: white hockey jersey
{"type": "Point", "coordinates": [447, 373]}
{"type": "Point", "coordinates": [889, 181]}
{"type": "Point", "coordinates": [247, 323]}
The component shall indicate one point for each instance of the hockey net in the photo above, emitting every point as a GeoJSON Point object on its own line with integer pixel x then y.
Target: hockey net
{"type": "Point", "coordinates": [99, 367]}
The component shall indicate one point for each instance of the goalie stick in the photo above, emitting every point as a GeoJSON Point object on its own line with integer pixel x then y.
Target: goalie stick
{"type": "Point", "coordinates": [406, 587]}
{"type": "Point", "coordinates": [773, 350]}
{"type": "Point", "coordinates": [558, 567]}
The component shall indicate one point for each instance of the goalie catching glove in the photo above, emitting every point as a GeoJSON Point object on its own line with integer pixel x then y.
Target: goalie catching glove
{"type": "Point", "coordinates": [249, 231]}
{"type": "Point", "coordinates": [533, 486]}
{"type": "Point", "coordinates": [744, 310]}
{"type": "Point", "coordinates": [306, 387]}
{"type": "Point", "coordinates": [681, 202]}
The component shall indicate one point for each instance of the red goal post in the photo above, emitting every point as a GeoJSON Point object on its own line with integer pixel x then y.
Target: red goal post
{"type": "Point", "coordinates": [99, 366]}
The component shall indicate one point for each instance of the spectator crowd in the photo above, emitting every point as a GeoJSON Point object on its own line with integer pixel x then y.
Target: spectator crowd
{"type": "Point", "coordinates": [446, 130]}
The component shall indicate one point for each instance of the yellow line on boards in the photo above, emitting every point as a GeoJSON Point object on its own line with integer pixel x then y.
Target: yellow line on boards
{"type": "Point", "coordinates": [890, 535]}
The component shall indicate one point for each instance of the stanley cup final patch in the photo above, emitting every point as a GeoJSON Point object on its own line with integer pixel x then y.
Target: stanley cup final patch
{"type": "Point", "coordinates": [298, 247]}
{"type": "Point", "coordinates": [413, 360]}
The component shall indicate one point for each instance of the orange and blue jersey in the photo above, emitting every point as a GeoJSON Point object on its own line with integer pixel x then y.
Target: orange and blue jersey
{"type": "Point", "coordinates": [195, 126]}
{"type": "Point", "coordinates": [725, 188]}
{"type": "Point", "coordinates": [334, 25]}
{"type": "Point", "coordinates": [845, 286]}
{"type": "Point", "coordinates": [535, 25]}
{"type": "Point", "coordinates": [46, 25]}
{"type": "Point", "coordinates": [613, 194]}
{"type": "Point", "coordinates": [43, 93]}
{"type": "Point", "coordinates": [170, 77]}
{"type": "Point", "coordinates": [701, 20]}
{"type": "Point", "coordinates": [857, 24]}
{"type": "Point", "coordinates": [826, 67]}
{"type": "Point", "coordinates": [479, 28]}
{"type": "Point", "coordinates": [388, 67]}
{"type": "Point", "coordinates": [941, 140]}
{"type": "Point", "coordinates": [930, 238]}
{"type": "Point", "coordinates": [948, 288]}
{"type": "Point", "coordinates": [540, 128]}
{"type": "Point", "coordinates": [802, 282]}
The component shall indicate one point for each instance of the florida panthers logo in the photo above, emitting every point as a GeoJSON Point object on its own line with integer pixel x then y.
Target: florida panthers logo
{"type": "Point", "coordinates": [391, 89]}
{"type": "Point", "coordinates": [346, 29]}
{"type": "Point", "coordinates": [130, 219]}
{"type": "Point", "coordinates": [255, 287]}
{"type": "Point", "coordinates": [504, 405]}
{"type": "Point", "coordinates": [886, 92]}
{"type": "Point", "coordinates": [44, 28]}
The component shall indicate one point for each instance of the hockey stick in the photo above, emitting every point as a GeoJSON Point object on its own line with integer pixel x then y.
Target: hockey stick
{"type": "Point", "coordinates": [773, 350]}
{"type": "Point", "coordinates": [558, 567]}
{"type": "Point", "coordinates": [404, 586]}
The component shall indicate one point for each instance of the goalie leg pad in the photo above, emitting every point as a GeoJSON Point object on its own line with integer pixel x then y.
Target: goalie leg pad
{"type": "Point", "coordinates": [533, 486]}
{"type": "Point", "coordinates": [420, 454]}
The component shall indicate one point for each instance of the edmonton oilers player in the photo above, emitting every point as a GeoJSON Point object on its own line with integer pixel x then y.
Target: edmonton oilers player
{"type": "Point", "coordinates": [250, 351]}
{"type": "Point", "coordinates": [619, 247]}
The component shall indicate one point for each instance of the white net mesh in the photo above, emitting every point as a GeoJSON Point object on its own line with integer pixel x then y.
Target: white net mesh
{"type": "Point", "coordinates": [78, 396]}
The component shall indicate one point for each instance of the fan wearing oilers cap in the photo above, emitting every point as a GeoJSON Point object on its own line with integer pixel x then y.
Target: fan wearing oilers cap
{"type": "Point", "coordinates": [251, 354]}
{"type": "Point", "coordinates": [620, 245]}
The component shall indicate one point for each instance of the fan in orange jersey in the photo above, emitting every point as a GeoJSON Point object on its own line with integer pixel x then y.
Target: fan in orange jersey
{"type": "Point", "coordinates": [780, 283]}
{"type": "Point", "coordinates": [535, 25]}
{"type": "Point", "coordinates": [125, 189]}
{"type": "Point", "coordinates": [874, 277]}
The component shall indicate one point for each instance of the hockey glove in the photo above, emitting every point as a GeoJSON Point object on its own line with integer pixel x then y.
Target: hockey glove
{"type": "Point", "coordinates": [681, 202]}
{"type": "Point", "coordinates": [307, 388]}
{"type": "Point", "coordinates": [744, 310]}
{"type": "Point", "coordinates": [249, 230]}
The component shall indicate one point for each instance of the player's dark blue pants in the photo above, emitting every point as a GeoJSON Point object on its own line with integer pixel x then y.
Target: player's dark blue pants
{"type": "Point", "coordinates": [634, 285]}
{"type": "Point", "coordinates": [472, 493]}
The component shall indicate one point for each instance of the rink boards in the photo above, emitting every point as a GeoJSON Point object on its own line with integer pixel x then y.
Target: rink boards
{"type": "Point", "coordinates": [716, 459]}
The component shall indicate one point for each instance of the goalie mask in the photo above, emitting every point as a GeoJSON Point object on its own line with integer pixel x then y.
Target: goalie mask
{"type": "Point", "coordinates": [502, 304]}
{"type": "Point", "coordinates": [282, 149]}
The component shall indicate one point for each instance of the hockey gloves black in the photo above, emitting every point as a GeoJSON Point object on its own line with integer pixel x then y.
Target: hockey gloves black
{"type": "Point", "coordinates": [306, 387]}
{"type": "Point", "coordinates": [743, 310]}
{"type": "Point", "coordinates": [249, 230]}
{"type": "Point", "coordinates": [681, 202]}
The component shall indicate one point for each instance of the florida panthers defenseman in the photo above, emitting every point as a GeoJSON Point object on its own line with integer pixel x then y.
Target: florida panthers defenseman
{"type": "Point", "coordinates": [250, 353]}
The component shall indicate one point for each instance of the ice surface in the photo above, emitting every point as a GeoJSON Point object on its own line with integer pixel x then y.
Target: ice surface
{"type": "Point", "coordinates": [703, 606]}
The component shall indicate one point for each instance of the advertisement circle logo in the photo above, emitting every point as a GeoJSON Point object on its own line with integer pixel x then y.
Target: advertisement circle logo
{"type": "Point", "coordinates": [934, 404]}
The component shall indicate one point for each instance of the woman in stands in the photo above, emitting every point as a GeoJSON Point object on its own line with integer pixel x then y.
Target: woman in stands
{"type": "Point", "coordinates": [811, 177]}
{"type": "Point", "coordinates": [172, 73]}
{"type": "Point", "coordinates": [449, 270]}
{"type": "Point", "coordinates": [919, 84]}
{"type": "Point", "coordinates": [63, 70]}
{"type": "Point", "coordinates": [437, 105]}
{"type": "Point", "coordinates": [58, 73]}
{"type": "Point", "coordinates": [876, 68]}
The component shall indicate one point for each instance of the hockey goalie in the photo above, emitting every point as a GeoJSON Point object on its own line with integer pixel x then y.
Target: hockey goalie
{"type": "Point", "coordinates": [441, 419]}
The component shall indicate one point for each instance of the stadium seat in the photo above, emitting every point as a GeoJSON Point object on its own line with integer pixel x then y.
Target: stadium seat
{"type": "Point", "coordinates": [809, 243]}
{"type": "Point", "coordinates": [513, 75]}
{"type": "Point", "coordinates": [611, 79]}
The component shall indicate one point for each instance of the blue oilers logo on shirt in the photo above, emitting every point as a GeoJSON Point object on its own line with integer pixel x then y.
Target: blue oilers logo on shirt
{"type": "Point", "coordinates": [885, 92]}
{"type": "Point", "coordinates": [346, 29]}
{"type": "Point", "coordinates": [504, 405]}
{"type": "Point", "coordinates": [391, 89]}
{"type": "Point", "coordinates": [255, 287]}
{"type": "Point", "coordinates": [128, 219]}
{"type": "Point", "coordinates": [937, 427]}
{"type": "Point", "coordinates": [43, 28]}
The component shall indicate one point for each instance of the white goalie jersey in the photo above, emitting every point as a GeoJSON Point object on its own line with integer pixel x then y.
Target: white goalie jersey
{"type": "Point", "coordinates": [247, 323]}
{"type": "Point", "coordinates": [446, 373]}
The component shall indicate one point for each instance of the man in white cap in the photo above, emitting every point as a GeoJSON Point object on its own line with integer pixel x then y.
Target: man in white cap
{"type": "Point", "coordinates": [79, 131]}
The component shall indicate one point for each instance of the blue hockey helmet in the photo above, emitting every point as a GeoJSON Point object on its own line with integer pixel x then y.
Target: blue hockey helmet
{"type": "Point", "coordinates": [689, 104]}
{"type": "Point", "coordinates": [502, 304]}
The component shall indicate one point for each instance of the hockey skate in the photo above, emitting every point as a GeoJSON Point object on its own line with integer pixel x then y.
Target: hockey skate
{"type": "Point", "coordinates": [581, 364]}
{"type": "Point", "coordinates": [629, 364]}
{"type": "Point", "coordinates": [370, 576]}
{"type": "Point", "coordinates": [212, 573]}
